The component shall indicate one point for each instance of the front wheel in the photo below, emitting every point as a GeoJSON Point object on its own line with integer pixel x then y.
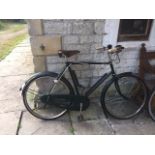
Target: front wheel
{"type": "Point", "coordinates": [151, 105]}
{"type": "Point", "coordinates": [36, 95]}
{"type": "Point", "coordinates": [124, 96]}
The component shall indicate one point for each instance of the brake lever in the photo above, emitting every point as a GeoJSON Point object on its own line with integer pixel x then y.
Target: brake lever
{"type": "Point", "coordinates": [118, 58]}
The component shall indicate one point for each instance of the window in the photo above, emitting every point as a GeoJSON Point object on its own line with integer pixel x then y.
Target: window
{"type": "Point", "coordinates": [134, 29]}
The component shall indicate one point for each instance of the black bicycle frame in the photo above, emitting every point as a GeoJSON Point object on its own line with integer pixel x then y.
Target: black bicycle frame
{"type": "Point", "coordinates": [75, 79]}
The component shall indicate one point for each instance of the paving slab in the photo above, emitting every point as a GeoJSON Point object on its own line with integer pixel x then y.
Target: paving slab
{"type": "Point", "coordinates": [11, 105]}
{"type": "Point", "coordinates": [92, 127]}
{"type": "Point", "coordinates": [33, 126]}
{"type": "Point", "coordinates": [145, 124]}
{"type": "Point", "coordinates": [94, 112]}
{"type": "Point", "coordinates": [10, 86]}
{"type": "Point", "coordinates": [9, 123]}
{"type": "Point", "coordinates": [124, 127]}
{"type": "Point", "coordinates": [147, 128]}
{"type": "Point", "coordinates": [20, 56]}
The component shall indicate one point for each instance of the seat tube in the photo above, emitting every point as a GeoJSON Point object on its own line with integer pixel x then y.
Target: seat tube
{"type": "Point", "coordinates": [63, 71]}
{"type": "Point", "coordinates": [74, 79]}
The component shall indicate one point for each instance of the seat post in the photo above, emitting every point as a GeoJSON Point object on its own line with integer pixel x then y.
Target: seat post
{"type": "Point", "coordinates": [66, 59]}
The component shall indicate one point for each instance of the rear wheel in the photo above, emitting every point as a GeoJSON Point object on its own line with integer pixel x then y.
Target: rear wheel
{"type": "Point", "coordinates": [41, 87]}
{"type": "Point", "coordinates": [124, 97]}
{"type": "Point", "coordinates": [151, 105]}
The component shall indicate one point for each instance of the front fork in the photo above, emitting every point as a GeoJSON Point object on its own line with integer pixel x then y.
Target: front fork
{"type": "Point", "coordinates": [118, 87]}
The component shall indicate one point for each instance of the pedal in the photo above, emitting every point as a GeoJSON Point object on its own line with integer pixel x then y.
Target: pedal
{"type": "Point", "coordinates": [80, 117]}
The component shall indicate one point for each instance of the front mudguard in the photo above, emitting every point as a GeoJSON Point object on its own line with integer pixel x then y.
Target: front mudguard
{"type": "Point", "coordinates": [110, 82]}
{"type": "Point", "coordinates": [118, 76]}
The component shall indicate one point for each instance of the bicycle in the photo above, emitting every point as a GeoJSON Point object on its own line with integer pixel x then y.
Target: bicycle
{"type": "Point", "coordinates": [49, 95]}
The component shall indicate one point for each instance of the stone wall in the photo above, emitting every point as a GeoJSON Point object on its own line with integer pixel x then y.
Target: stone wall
{"type": "Point", "coordinates": [82, 35]}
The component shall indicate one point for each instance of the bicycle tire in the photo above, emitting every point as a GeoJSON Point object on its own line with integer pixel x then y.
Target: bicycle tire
{"type": "Point", "coordinates": [151, 107]}
{"type": "Point", "coordinates": [117, 103]}
{"type": "Point", "coordinates": [34, 79]}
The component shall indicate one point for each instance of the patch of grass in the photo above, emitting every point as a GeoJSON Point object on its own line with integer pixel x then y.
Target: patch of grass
{"type": "Point", "coordinates": [9, 45]}
{"type": "Point", "coordinates": [11, 27]}
{"type": "Point", "coordinates": [17, 27]}
{"type": "Point", "coordinates": [2, 25]}
{"type": "Point", "coordinates": [72, 131]}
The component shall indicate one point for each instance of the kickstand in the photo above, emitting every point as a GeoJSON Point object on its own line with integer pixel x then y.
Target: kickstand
{"type": "Point", "coordinates": [80, 117]}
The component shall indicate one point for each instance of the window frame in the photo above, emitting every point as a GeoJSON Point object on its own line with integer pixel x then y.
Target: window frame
{"type": "Point", "coordinates": [111, 32]}
{"type": "Point", "coordinates": [135, 37]}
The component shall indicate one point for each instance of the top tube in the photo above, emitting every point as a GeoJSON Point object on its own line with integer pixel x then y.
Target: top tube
{"type": "Point", "coordinates": [87, 62]}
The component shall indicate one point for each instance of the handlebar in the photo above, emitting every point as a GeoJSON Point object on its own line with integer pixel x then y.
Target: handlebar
{"type": "Point", "coordinates": [109, 49]}
{"type": "Point", "coordinates": [112, 50]}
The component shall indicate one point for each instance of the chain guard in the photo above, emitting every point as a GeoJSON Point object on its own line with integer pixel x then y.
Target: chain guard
{"type": "Point", "coordinates": [70, 102]}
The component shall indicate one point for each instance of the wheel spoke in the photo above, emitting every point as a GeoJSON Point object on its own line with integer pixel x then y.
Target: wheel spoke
{"type": "Point", "coordinates": [125, 97]}
{"type": "Point", "coordinates": [43, 86]}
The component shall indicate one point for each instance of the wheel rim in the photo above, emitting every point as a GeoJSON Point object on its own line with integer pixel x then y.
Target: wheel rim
{"type": "Point", "coordinates": [129, 102]}
{"type": "Point", "coordinates": [44, 86]}
{"type": "Point", "coordinates": [152, 105]}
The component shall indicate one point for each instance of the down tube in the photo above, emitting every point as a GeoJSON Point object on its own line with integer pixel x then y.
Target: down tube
{"type": "Point", "coordinates": [97, 84]}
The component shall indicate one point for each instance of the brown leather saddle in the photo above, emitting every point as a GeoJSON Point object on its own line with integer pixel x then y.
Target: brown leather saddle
{"type": "Point", "coordinates": [69, 53]}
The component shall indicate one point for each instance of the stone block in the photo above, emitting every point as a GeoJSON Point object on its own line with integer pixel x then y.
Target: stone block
{"type": "Point", "coordinates": [86, 39]}
{"type": "Point", "coordinates": [82, 48]}
{"type": "Point", "coordinates": [86, 73]}
{"type": "Point", "coordinates": [70, 39]}
{"type": "Point", "coordinates": [54, 59]}
{"type": "Point", "coordinates": [39, 63]}
{"type": "Point", "coordinates": [83, 28]}
{"type": "Point", "coordinates": [55, 67]}
{"type": "Point", "coordinates": [85, 82]}
{"type": "Point", "coordinates": [51, 45]}
{"type": "Point", "coordinates": [99, 56]}
{"type": "Point", "coordinates": [95, 73]}
{"type": "Point", "coordinates": [99, 27]}
{"type": "Point", "coordinates": [57, 27]}
{"type": "Point", "coordinates": [67, 75]}
{"type": "Point", "coordinates": [99, 66]}
{"type": "Point", "coordinates": [98, 38]}
{"type": "Point", "coordinates": [35, 27]}
{"type": "Point", "coordinates": [78, 74]}
{"type": "Point", "coordinates": [85, 57]}
{"type": "Point", "coordinates": [81, 67]}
